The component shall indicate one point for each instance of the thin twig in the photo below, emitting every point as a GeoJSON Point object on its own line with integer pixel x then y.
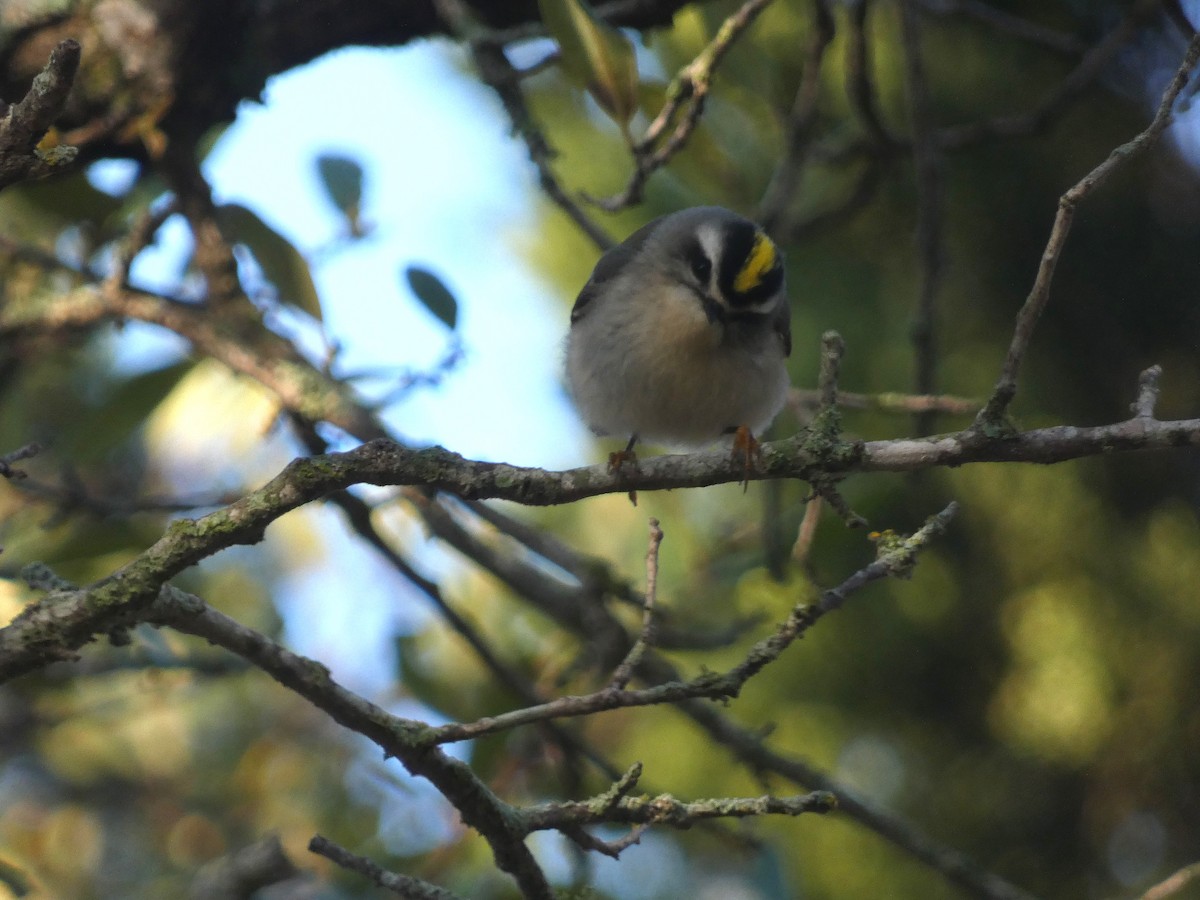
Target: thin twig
{"type": "Point", "coordinates": [859, 80]}
{"type": "Point", "coordinates": [1094, 62]}
{"type": "Point", "coordinates": [140, 236]}
{"type": "Point", "coordinates": [896, 559]}
{"type": "Point", "coordinates": [498, 73]}
{"type": "Point", "coordinates": [404, 885]}
{"type": "Point", "coordinates": [1171, 886]}
{"type": "Point", "coordinates": [687, 92]}
{"type": "Point", "coordinates": [1147, 396]}
{"type": "Point", "coordinates": [880, 146]}
{"type": "Point", "coordinates": [212, 250]}
{"type": "Point", "coordinates": [645, 640]}
{"type": "Point", "coordinates": [927, 164]}
{"type": "Point", "coordinates": [889, 402]}
{"type": "Point", "coordinates": [1060, 42]}
{"type": "Point", "coordinates": [1006, 386]}
{"type": "Point", "coordinates": [833, 347]}
{"type": "Point", "coordinates": [73, 496]}
{"type": "Point", "coordinates": [808, 529]}
{"type": "Point", "coordinates": [862, 192]}
{"type": "Point", "coordinates": [21, 453]}
{"type": "Point", "coordinates": [781, 189]}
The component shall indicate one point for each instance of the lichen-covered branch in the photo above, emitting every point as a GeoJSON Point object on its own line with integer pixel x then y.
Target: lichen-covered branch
{"type": "Point", "coordinates": [25, 123]}
{"type": "Point", "coordinates": [667, 810]}
{"type": "Point", "coordinates": [385, 463]}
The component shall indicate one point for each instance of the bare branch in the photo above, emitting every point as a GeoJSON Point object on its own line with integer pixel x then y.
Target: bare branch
{"type": "Point", "coordinates": [859, 83]}
{"type": "Point", "coordinates": [57, 626]}
{"type": "Point", "coordinates": [1006, 387]}
{"type": "Point", "coordinates": [257, 352]}
{"type": "Point", "coordinates": [498, 73]}
{"type": "Point", "coordinates": [861, 193]}
{"type": "Point", "coordinates": [21, 453]}
{"type": "Point", "coordinates": [777, 197]}
{"type": "Point", "coordinates": [687, 92]}
{"type": "Point", "coordinates": [807, 531]}
{"type": "Point", "coordinates": [140, 236]}
{"type": "Point", "coordinates": [646, 639]}
{"type": "Point", "coordinates": [895, 559]}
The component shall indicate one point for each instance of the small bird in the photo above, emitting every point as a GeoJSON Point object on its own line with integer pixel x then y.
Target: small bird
{"type": "Point", "coordinates": [681, 334]}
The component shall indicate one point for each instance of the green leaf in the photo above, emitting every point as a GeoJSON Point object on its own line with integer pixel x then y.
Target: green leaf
{"type": "Point", "coordinates": [594, 55]}
{"type": "Point", "coordinates": [69, 200]}
{"type": "Point", "coordinates": [281, 263]}
{"type": "Point", "coordinates": [342, 178]}
{"type": "Point", "coordinates": [433, 294]}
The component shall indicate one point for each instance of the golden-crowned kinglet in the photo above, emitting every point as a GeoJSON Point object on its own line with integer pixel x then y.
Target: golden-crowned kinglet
{"type": "Point", "coordinates": [681, 333]}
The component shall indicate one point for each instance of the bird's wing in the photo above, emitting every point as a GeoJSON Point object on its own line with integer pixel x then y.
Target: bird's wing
{"type": "Point", "coordinates": [611, 263]}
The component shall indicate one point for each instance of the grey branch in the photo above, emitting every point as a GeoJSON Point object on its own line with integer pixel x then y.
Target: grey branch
{"type": "Point", "coordinates": [21, 453]}
{"type": "Point", "coordinates": [807, 456]}
{"type": "Point", "coordinates": [896, 558]}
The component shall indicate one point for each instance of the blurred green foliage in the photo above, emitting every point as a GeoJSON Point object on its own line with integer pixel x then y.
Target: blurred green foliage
{"type": "Point", "coordinates": [1031, 697]}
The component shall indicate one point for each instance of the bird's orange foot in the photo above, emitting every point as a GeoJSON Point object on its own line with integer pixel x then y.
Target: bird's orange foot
{"type": "Point", "coordinates": [624, 458]}
{"type": "Point", "coordinates": [747, 451]}
{"type": "Point", "coordinates": [620, 458]}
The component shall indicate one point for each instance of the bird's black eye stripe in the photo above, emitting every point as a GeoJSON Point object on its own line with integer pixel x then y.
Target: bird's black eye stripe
{"type": "Point", "coordinates": [699, 262]}
{"type": "Point", "coordinates": [739, 243]}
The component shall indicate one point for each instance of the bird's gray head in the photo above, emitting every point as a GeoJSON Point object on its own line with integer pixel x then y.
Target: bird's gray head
{"type": "Point", "coordinates": [728, 260]}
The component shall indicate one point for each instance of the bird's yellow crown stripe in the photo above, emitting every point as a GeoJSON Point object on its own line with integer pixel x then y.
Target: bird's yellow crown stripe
{"type": "Point", "coordinates": [759, 262]}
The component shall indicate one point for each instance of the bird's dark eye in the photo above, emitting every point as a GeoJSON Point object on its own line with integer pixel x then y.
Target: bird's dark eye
{"type": "Point", "coordinates": [700, 263]}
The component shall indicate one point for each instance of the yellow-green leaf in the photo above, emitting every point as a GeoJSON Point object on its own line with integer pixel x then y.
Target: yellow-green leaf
{"type": "Point", "coordinates": [99, 430]}
{"type": "Point", "coordinates": [595, 55]}
{"type": "Point", "coordinates": [281, 263]}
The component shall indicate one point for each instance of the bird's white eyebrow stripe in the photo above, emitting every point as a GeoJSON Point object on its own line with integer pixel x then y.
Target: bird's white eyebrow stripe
{"type": "Point", "coordinates": [710, 237]}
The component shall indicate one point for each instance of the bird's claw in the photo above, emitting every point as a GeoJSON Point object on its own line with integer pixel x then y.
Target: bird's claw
{"type": "Point", "coordinates": [747, 452]}
{"type": "Point", "coordinates": [620, 459]}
